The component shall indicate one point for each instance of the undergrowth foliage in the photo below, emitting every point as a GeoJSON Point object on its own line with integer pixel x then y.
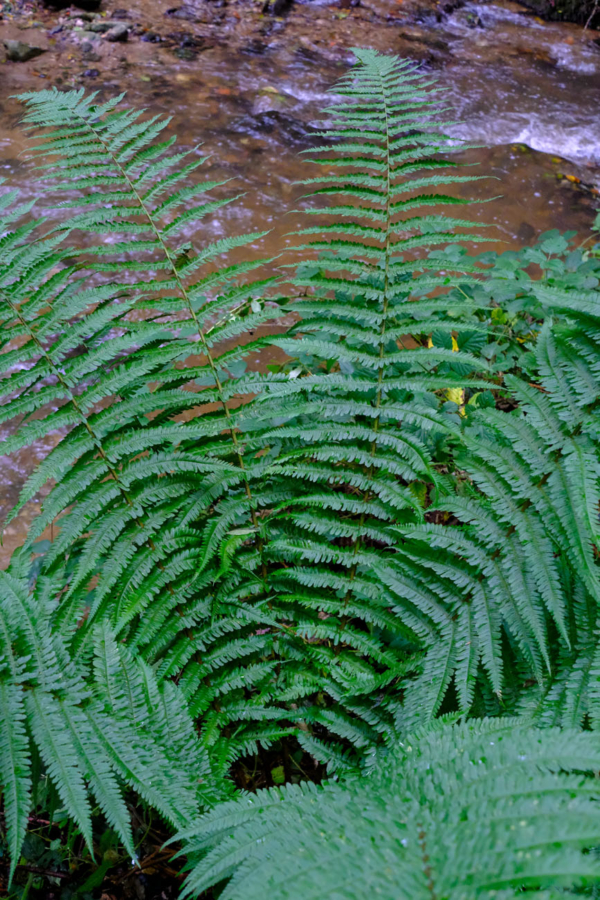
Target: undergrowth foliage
{"type": "Point", "coordinates": [399, 521]}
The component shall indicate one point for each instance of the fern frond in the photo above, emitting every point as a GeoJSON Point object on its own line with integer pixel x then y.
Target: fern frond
{"type": "Point", "coordinates": [125, 330]}
{"type": "Point", "coordinates": [462, 811]}
{"type": "Point", "coordinates": [90, 739]}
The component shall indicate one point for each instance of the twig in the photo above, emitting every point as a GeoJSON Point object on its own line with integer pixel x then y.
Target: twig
{"type": "Point", "coordinates": [592, 14]}
{"type": "Point", "coordinates": [48, 872]}
{"type": "Point", "coordinates": [38, 821]}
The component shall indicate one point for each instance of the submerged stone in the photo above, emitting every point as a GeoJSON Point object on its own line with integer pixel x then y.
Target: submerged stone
{"type": "Point", "coordinates": [120, 32]}
{"type": "Point", "coordinates": [18, 51]}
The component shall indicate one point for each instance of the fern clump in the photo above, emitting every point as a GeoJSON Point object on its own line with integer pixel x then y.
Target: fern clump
{"type": "Point", "coordinates": [243, 549]}
{"type": "Point", "coordinates": [397, 522]}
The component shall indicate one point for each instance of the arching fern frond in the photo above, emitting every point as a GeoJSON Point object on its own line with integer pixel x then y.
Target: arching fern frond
{"type": "Point", "coordinates": [95, 733]}
{"type": "Point", "coordinates": [464, 812]}
{"type": "Point", "coordinates": [520, 559]}
{"type": "Point", "coordinates": [104, 357]}
{"type": "Point", "coordinates": [357, 414]}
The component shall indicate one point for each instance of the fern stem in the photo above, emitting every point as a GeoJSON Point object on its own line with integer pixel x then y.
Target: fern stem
{"type": "Point", "coordinates": [185, 297]}
{"type": "Point", "coordinates": [71, 396]}
{"type": "Point", "coordinates": [427, 872]}
{"type": "Point", "coordinates": [366, 496]}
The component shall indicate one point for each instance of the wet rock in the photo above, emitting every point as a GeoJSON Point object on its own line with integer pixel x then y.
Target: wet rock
{"type": "Point", "coordinates": [273, 122]}
{"type": "Point", "coordinates": [117, 34]}
{"type": "Point", "coordinates": [277, 7]}
{"type": "Point", "coordinates": [255, 47]}
{"type": "Point", "coordinates": [91, 73]}
{"type": "Point", "coordinates": [188, 45]}
{"type": "Point", "coordinates": [89, 5]}
{"type": "Point", "coordinates": [104, 25]}
{"type": "Point", "coordinates": [446, 7]}
{"type": "Point", "coordinates": [268, 100]}
{"type": "Point", "coordinates": [315, 51]}
{"type": "Point", "coordinates": [187, 54]}
{"type": "Point", "coordinates": [182, 12]}
{"type": "Point", "coordinates": [474, 20]}
{"type": "Point", "coordinates": [183, 38]}
{"type": "Point", "coordinates": [18, 51]}
{"type": "Point", "coordinates": [82, 16]}
{"type": "Point", "coordinates": [421, 36]}
{"type": "Point", "coordinates": [207, 15]}
{"type": "Point", "coordinates": [526, 233]}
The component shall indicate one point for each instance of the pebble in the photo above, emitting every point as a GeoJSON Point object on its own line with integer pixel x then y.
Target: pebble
{"type": "Point", "coordinates": [118, 33]}
{"type": "Point", "coordinates": [182, 12]}
{"type": "Point", "coordinates": [106, 25]}
{"type": "Point", "coordinates": [81, 14]}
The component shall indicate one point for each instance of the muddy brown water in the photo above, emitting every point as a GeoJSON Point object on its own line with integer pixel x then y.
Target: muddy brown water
{"type": "Point", "coordinates": [249, 86]}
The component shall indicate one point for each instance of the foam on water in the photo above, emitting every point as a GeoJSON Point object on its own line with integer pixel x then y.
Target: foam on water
{"type": "Point", "coordinates": [549, 99]}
